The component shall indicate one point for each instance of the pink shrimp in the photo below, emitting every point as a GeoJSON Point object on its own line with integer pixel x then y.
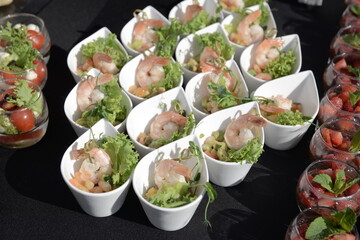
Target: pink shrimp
{"type": "Point", "coordinates": [247, 32]}
{"type": "Point", "coordinates": [265, 52]}
{"type": "Point", "coordinates": [239, 131]}
{"type": "Point", "coordinates": [264, 76]}
{"type": "Point", "coordinates": [104, 63]}
{"type": "Point", "coordinates": [232, 5]}
{"type": "Point", "coordinates": [207, 57]}
{"type": "Point", "coordinates": [279, 105]}
{"type": "Point", "coordinates": [150, 70]}
{"type": "Point", "coordinates": [191, 11]}
{"type": "Point", "coordinates": [87, 65]}
{"type": "Point", "coordinates": [144, 34]}
{"type": "Point", "coordinates": [165, 124]}
{"type": "Point", "coordinates": [169, 171]}
{"type": "Point", "coordinates": [87, 94]}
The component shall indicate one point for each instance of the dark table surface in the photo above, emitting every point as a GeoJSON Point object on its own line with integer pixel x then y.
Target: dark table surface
{"type": "Point", "coordinates": [35, 203]}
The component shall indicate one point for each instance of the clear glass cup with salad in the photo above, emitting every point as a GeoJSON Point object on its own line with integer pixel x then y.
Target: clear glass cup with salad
{"type": "Point", "coordinates": [346, 40]}
{"type": "Point", "coordinates": [24, 113]}
{"type": "Point", "coordinates": [25, 26]}
{"type": "Point", "coordinates": [323, 223]}
{"type": "Point", "coordinates": [351, 15]}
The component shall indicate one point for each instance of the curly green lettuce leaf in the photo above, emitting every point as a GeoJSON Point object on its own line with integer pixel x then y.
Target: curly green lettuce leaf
{"type": "Point", "coordinates": [108, 46]}
{"type": "Point", "coordinates": [123, 157]}
{"type": "Point", "coordinates": [282, 65]}
{"type": "Point", "coordinates": [111, 107]}
{"type": "Point", "coordinates": [168, 36]}
{"type": "Point", "coordinates": [264, 17]}
{"type": "Point", "coordinates": [201, 20]}
{"type": "Point", "coordinates": [172, 78]}
{"type": "Point", "coordinates": [217, 42]}
{"type": "Point", "coordinates": [11, 35]}
{"type": "Point", "coordinates": [290, 118]}
{"type": "Point", "coordinates": [249, 153]}
{"type": "Point", "coordinates": [6, 126]}
{"type": "Point", "coordinates": [355, 9]}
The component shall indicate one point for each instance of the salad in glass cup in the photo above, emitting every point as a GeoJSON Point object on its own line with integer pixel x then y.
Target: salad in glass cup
{"type": "Point", "coordinates": [323, 223]}
{"type": "Point", "coordinates": [23, 113]}
{"type": "Point", "coordinates": [343, 69]}
{"type": "Point", "coordinates": [337, 139]}
{"type": "Point", "coordinates": [351, 15]}
{"type": "Point", "coordinates": [329, 183]}
{"type": "Point", "coordinates": [25, 27]}
{"type": "Point", "coordinates": [345, 41]}
{"type": "Point", "coordinates": [340, 101]}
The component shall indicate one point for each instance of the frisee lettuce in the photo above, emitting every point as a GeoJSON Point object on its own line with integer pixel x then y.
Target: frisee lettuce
{"type": "Point", "coordinates": [108, 46]}
{"type": "Point", "coordinates": [111, 107]}
{"type": "Point", "coordinates": [6, 126]}
{"type": "Point", "coordinates": [11, 35]}
{"type": "Point", "coordinates": [249, 153]}
{"type": "Point", "coordinates": [217, 42]}
{"type": "Point", "coordinates": [290, 118]}
{"type": "Point", "coordinates": [282, 65]}
{"type": "Point", "coordinates": [168, 36]}
{"type": "Point", "coordinates": [200, 21]}
{"type": "Point", "coordinates": [123, 157]}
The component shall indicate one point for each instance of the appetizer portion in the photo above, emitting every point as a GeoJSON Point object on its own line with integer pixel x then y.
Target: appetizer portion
{"type": "Point", "coordinates": [346, 40]}
{"type": "Point", "coordinates": [155, 75]}
{"type": "Point", "coordinates": [329, 183]}
{"type": "Point", "coordinates": [238, 143]}
{"type": "Point", "coordinates": [100, 97]}
{"type": "Point", "coordinates": [283, 111]}
{"type": "Point", "coordinates": [351, 15]}
{"type": "Point", "coordinates": [238, 5]}
{"type": "Point", "coordinates": [269, 62]}
{"type": "Point", "coordinates": [168, 126]}
{"type": "Point", "coordinates": [144, 34]}
{"type": "Point", "coordinates": [23, 113]}
{"type": "Point", "coordinates": [104, 54]}
{"type": "Point", "coordinates": [106, 163]}
{"type": "Point", "coordinates": [213, 48]}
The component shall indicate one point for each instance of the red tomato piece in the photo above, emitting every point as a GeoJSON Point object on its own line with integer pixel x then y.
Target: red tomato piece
{"type": "Point", "coordinates": [345, 96]}
{"type": "Point", "coordinates": [352, 190]}
{"type": "Point", "coordinates": [349, 88]}
{"type": "Point", "coordinates": [40, 70]}
{"type": "Point", "coordinates": [326, 202]}
{"type": "Point", "coordinates": [23, 119]}
{"type": "Point", "coordinates": [36, 38]}
{"type": "Point", "coordinates": [337, 102]}
{"type": "Point", "coordinates": [336, 137]}
{"type": "Point", "coordinates": [341, 64]}
{"type": "Point", "coordinates": [347, 106]}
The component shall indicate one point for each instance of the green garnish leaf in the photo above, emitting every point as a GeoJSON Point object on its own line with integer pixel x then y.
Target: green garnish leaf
{"type": "Point", "coordinates": [212, 195]}
{"type": "Point", "coordinates": [345, 218]}
{"type": "Point", "coordinates": [250, 152]}
{"type": "Point", "coordinates": [355, 9]}
{"type": "Point", "coordinates": [200, 21]}
{"type": "Point", "coordinates": [354, 97]}
{"type": "Point", "coordinates": [354, 70]}
{"type": "Point", "coordinates": [292, 118]}
{"type": "Point", "coordinates": [217, 42]}
{"type": "Point", "coordinates": [353, 39]}
{"type": "Point", "coordinates": [355, 143]}
{"type": "Point", "coordinates": [325, 181]}
{"type": "Point", "coordinates": [282, 65]}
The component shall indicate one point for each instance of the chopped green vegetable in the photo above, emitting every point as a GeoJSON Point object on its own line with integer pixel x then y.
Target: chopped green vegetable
{"type": "Point", "coordinates": [123, 157]}
{"type": "Point", "coordinates": [281, 66]}
{"type": "Point", "coordinates": [339, 186]}
{"type": "Point", "coordinates": [108, 46]}
{"type": "Point", "coordinates": [355, 9]}
{"type": "Point", "coordinates": [353, 39]}
{"type": "Point", "coordinates": [355, 143]}
{"type": "Point", "coordinates": [292, 118]}
{"type": "Point", "coordinates": [354, 70]}
{"type": "Point", "coordinates": [217, 42]}
{"type": "Point", "coordinates": [324, 227]}
{"type": "Point", "coordinates": [111, 107]}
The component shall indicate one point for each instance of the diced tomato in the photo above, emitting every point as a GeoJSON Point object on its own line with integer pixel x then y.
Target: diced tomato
{"type": "Point", "coordinates": [340, 64]}
{"type": "Point", "coordinates": [325, 132]}
{"type": "Point", "coordinates": [351, 203]}
{"type": "Point", "coordinates": [345, 145]}
{"type": "Point", "coordinates": [344, 236]}
{"type": "Point", "coordinates": [336, 137]}
{"type": "Point", "coordinates": [337, 102]}
{"type": "Point", "coordinates": [36, 38]}
{"type": "Point", "coordinates": [349, 88]}
{"type": "Point", "coordinates": [352, 190]}
{"type": "Point", "coordinates": [345, 96]}
{"type": "Point", "coordinates": [345, 125]}
{"type": "Point", "coordinates": [326, 111]}
{"type": "Point", "coordinates": [326, 202]}
{"type": "Point", "coordinates": [347, 106]}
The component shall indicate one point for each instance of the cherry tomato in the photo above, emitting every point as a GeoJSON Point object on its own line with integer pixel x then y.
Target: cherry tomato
{"type": "Point", "coordinates": [40, 71]}
{"type": "Point", "coordinates": [37, 39]}
{"type": "Point", "coordinates": [23, 119]}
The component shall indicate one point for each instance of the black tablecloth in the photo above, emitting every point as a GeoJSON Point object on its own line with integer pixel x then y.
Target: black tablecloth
{"type": "Point", "coordinates": [35, 203]}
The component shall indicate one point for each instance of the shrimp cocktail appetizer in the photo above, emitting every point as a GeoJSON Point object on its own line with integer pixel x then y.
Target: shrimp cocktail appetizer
{"type": "Point", "coordinates": [168, 126]}
{"type": "Point", "coordinates": [105, 163]}
{"type": "Point", "coordinates": [177, 180]}
{"type": "Point", "coordinates": [343, 69]}
{"type": "Point", "coordinates": [323, 223]}
{"type": "Point", "coordinates": [155, 75]}
{"type": "Point", "coordinates": [100, 97]}
{"type": "Point", "coordinates": [269, 62]}
{"type": "Point", "coordinates": [144, 33]}
{"type": "Point", "coordinates": [337, 139]}
{"type": "Point", "coordinates": [104, 54]}
{"type": "Point", "coordinates": [351, 15]}
{"type": "Point", "coordinates": [346, 40]}
{"type": "Point", "coordinates": [238, 143]}
{"type": "Point", "coordinates": [23, 113]}
{"type": "Point", "coordinates": [340, 101]}
{"type": "Point", "coordinates": [19, 59]}
{"type": "Point", "coordinates": [329, 183]}
{"type": "Point", "coordinates": [249, 27]}
{"type": "Point", "coordinates": [214, 49]}
{"type": "Point", "coordinates": [283, 111]}
{"type": "Point", "coordinates": [238, 5]}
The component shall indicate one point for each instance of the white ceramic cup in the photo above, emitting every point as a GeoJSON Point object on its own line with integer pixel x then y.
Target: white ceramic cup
{"type": "Point", "coordinates": [94, 204]}
{"type": "Point", "coordinates": [301, 88]}
{"type": "Point", "coordinates": [168, 219]}
{"type": "Point", "coordinates": [226, 174]}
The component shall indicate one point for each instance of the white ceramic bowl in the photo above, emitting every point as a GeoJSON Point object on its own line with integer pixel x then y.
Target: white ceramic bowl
{"type": "Point", "coordinates": [226, 174]}
{"type": "Point", "coordinates": [75, 57]}
{"type": "Point", "coordinates": [127, 78]}
{"type": "Point", "coordinates": [210, 6]}
{"type": "Point", "coordinates": [188, 48]}
{"type": "Point", "coordinates": [73, 112]}
{"type": "Point", "coordinates": [94, 204]}
{"type": "Point", "coordinates": [290, 42]}
{"type": "Point", "coordinates": [168, 219]}
{"type": "Point", "coordinates": [196, 90]}
{"type": "Point", "coordinates": [127, 31]}
{"type": "Point", "coordinates": [140, 118]}
{"type": "Point", "coordinates": [301, 88]}
{"type": "Point", "coordinates": [234, 18]}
